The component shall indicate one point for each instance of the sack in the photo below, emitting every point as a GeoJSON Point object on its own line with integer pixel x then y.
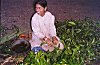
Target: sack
{"type": "Point", "coordinates": [21, 45]}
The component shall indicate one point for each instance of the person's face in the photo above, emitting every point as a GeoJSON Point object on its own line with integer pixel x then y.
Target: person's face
{"type": "Point", "coordinates": [40, 10]}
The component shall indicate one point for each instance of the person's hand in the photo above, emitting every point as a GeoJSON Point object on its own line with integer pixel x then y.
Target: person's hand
{"type": "Point", "coordinates": [43, 39]}
{"type": "Point", "coordinates": [49, 42]}
{"type": "Point", "coordinates": [29, 35]}
{"type": "Point", "coordinates": [55, 40]}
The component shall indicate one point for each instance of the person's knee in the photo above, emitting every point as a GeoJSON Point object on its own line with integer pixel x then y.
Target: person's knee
{"type": "Point", "coordinates": [61, 46]}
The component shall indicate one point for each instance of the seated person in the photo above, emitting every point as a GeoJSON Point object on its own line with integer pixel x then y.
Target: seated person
{"type": "Point", "coordinates": [43, 28]}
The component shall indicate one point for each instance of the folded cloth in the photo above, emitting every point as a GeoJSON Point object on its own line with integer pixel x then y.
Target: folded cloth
{"type": "Point", "coordinates": [37, 49]}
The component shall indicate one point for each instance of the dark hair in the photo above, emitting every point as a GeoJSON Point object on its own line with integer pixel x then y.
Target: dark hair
{"type": "Point", "coordinates": [43, 3]}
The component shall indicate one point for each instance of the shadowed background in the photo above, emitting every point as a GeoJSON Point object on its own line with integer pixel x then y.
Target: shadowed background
{"type": "Point", "coordinates": [19, 12]}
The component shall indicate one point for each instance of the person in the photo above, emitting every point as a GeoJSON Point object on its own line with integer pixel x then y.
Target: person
{"type": "Point", "coordinates": [43, 28]}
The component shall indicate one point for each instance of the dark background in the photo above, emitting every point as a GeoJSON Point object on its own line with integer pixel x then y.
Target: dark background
{"type": "Point", "coordinates": [19, 12]}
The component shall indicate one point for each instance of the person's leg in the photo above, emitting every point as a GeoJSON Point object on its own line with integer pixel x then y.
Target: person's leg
{"type": "Point", "coordinates": [51, 48]}
{"type": "Point", "coordinates": [47, 48]}
{"type": "Point", "coordinates": [61, 46]}
{"type": "Point", "coordinates": [37, 49]}
{"type": "Point", "coordinates": [35, 41]}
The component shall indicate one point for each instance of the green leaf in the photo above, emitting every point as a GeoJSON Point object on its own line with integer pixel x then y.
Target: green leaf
{"type": "Point", "coordinates": [71, 24]}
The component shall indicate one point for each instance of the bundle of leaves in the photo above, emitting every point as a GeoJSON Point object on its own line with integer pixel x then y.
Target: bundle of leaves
{"type": "Point", "coordinates": [81, 39]}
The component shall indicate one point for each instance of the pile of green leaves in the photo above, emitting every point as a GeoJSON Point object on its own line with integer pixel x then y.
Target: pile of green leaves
{"type": "Point", "coordinates": [81, 39]}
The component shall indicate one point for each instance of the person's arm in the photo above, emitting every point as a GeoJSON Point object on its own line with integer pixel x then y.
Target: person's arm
{"type": "Point", "coordinates": [35, 28]}
{"type": "Point", "coordinates": [54, 40]}
{"type": "Point", "coordinates": [53, 31]}
{"type": "Point", "coordinates": [52, 27]}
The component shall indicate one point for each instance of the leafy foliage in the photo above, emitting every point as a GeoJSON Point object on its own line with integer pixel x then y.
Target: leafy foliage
{"type": "Point", "coordinates": [7, 37]}
{"type": "Point", "coordinates": [81, 40]}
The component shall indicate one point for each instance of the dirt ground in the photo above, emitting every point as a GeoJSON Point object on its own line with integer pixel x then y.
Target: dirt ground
{"type": "Point", "coordinates": [19, 12]}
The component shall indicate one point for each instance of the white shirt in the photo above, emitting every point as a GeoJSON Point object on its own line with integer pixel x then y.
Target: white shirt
{"type": "Point", "coordinates": [43, 26]}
